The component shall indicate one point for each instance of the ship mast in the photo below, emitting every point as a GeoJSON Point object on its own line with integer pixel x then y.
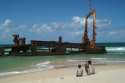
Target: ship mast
{"type": "Point", "coordinates": [85, 39]}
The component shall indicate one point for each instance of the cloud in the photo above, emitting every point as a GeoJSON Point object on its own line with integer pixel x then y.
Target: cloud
{"type": "Point", "coordinates": [76, 23]}
{"type": "Point", "coordinates": [44, 28]}
{"type": "Point", "coordinates": [77, 33]}
{"type": "Point", "coordinates": [73, 28]}
{"type": "Point", "coordinates": [112, 33]}
{"type": "Point", "coordinates": [8, 23]}
{"type": "Point", "coordinates": [103, 23]}
{"type": "Point", "coordinates": [100, 23]}
{"type": "Point", "coordinates": [77, 20]}
{"type": "Point", "coordinates": [117, 32]}
{"type": "Point", "coordinates": [57, 25]}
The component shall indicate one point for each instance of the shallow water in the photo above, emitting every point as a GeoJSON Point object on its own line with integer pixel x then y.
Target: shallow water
{"type": "Point", "coordinates": [23, 64]}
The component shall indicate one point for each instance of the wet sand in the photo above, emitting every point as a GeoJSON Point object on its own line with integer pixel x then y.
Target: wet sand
{"type": "Point", "coordinates": [113, 73]}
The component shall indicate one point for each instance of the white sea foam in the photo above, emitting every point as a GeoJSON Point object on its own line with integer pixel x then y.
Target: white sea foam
{"type": "Point", "coordinates": [18, 72]}
{"type": "Point", "coordinates": [38, 67]}
{"type": "Point", "coordinates": [9, 73]}
{"type": "Point", "coordinates": [108, 60]}
{"type": "Point", "coordinates": [44, 65]}
{"type": "Point", "coordinates": [118, 61]}
{"type": "Point", "coordinates": [115, 49]}
{"type": "Point", "coordinates": [75, 60]}
{"type": "Point", "coordinates": [100, 60]}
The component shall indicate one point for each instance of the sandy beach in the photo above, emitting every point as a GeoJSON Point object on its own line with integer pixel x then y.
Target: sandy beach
{"type": "Point", "coordinates": [111, 73]}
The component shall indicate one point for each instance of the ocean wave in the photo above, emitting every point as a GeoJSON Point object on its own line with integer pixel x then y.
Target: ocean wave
{"type": "Point", "coordinates": [44, 65]}
{"type": "Point", "coordinates": [16, 72]}
{"type": "Point", "coordinates": [75, 60]}
{"type": "Point", "coordinates": [114, 62]}
{"type": "Point", "coordinates": [100, 61]}
{"type": "Point", "coordinates": [47, 65]}
{"type": "Point", "coordinates": [9, 73]}
{"type": "Point", "coordinates": [35, 68]}
{"type": "Point", "coordinates": [115, 49]}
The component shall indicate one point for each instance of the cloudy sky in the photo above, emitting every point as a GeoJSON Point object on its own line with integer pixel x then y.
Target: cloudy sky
{"type": "Point", "coordinates": [48, 19]}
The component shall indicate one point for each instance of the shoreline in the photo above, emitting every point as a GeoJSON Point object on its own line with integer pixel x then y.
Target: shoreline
{"type": "Point", "coordinates": [48, 66]}
{"type": "Point", "coordinates": [63, 74]}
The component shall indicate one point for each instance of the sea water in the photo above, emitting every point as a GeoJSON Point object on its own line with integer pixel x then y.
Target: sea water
{"type": "Point", "coordinates": [11, 65]}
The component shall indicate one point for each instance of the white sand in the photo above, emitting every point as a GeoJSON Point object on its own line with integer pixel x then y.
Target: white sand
{"type": "Point", "coordinates": [104, 74]}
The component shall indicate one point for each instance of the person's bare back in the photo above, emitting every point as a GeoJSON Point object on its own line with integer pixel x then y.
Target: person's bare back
{"type": "Point", "coordinates": [79, 72]}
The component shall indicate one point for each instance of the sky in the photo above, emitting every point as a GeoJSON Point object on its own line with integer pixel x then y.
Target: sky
{"type": "Point", "coordinates": [49, 19]}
